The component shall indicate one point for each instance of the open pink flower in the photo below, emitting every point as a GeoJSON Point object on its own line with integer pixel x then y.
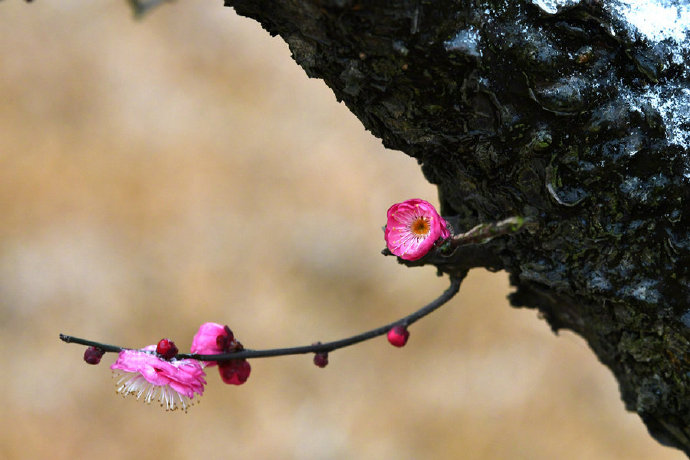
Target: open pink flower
{"type": "Point", "coordinates": [412, 229]}
{"type": "Point", "coordinates": [214, 338]}
{"type": "Point", "coordinates": [173, 383]}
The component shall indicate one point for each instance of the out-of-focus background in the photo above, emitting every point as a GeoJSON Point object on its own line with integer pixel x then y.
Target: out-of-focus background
{"type": "Point", "coordinates": [156, 175]}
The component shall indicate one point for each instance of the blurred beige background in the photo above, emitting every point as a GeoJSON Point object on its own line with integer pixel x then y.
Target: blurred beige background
{"type": "Point", "coordinates": [158, 174]}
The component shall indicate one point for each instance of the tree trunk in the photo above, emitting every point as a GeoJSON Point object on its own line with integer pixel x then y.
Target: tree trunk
{"type": "Point", "coordinates": [565, 112]}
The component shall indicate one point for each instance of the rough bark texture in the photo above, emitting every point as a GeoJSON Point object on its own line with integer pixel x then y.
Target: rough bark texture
{"type": "Point", "coordinates": [517, 108]}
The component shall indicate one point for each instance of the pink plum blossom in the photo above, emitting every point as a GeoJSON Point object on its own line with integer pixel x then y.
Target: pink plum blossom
{"type": "Point", "coordinates": [214, 338]}
{"type": "Point", "coordinates": [173, 383]}
{"type": "Point", "coordinates": [412, 229]}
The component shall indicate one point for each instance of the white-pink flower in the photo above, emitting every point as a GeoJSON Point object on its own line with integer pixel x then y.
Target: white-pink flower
{"type": "Point", "coordinates": [173, 383]}
{"type": "Point", "coordinates": [413, 227]}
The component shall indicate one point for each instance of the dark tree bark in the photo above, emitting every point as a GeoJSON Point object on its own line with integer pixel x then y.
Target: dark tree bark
{"type": "Point", "coordinates": [557, 111]}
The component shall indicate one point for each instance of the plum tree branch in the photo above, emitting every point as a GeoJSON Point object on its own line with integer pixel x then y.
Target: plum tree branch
{"type": "Point", "coordinates": [566, 113]}
{"type": "Point", "coordinates": [313, 348]}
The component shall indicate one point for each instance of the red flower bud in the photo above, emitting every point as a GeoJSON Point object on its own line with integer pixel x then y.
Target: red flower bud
{"type": "Point", "coordinates": [93, 355]}
{"type": "Point", "coordinates": [166, 349]}
{"type": "Point", "coordinates": [398, 335]}
{"type": "Point", "coordinates": [235, 371]}
{"type": "Point", "coordinates": [321, 359]}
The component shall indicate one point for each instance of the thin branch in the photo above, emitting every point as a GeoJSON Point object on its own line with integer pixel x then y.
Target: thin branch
{"type": "Point", "coordinates": [90, 343]}
{"type": "Point", "coordinates": [314, 348]}
{"type": "Point", "coordinates": [484, 233]}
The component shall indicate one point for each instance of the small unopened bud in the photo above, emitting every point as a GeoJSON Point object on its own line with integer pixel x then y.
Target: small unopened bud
{"type": "Point", "coordinates": [93, 355]}
{"type": "Point", "coordinates": [235, 371]}
{"type": "Point", "coordinates": [167, 349]}
{"type": "Point", "coordinates": [398, 335]}
{"type": "Point", "coordinates": [321, 359]}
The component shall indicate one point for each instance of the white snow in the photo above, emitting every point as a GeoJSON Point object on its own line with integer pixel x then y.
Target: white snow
{"type": "Point", "coordinates": [466, 41]}
{"type": "Point", "coordinates": [656, 20]}
{"type": "Point", "coordinates": [552, 6]}
{"type": "Point", "coordinates": [672, 103]}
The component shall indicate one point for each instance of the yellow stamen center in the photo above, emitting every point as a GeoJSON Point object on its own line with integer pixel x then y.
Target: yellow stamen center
{"type": "Point", "coordinates": [420, 226]}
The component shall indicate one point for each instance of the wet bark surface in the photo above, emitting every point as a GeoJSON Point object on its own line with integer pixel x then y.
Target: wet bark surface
{"type": "Point", "coordinates": [554, 111]}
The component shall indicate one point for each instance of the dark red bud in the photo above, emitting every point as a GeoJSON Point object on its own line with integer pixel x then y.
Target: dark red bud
{"type": "Point", "coordinates": [235, 371]}
{"type": "Point", "coordinates": [93, 355]}
{"type": "Point", "coordinates": [167, 349]}
{"type": "Point", "coordinates": [321, 359]}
